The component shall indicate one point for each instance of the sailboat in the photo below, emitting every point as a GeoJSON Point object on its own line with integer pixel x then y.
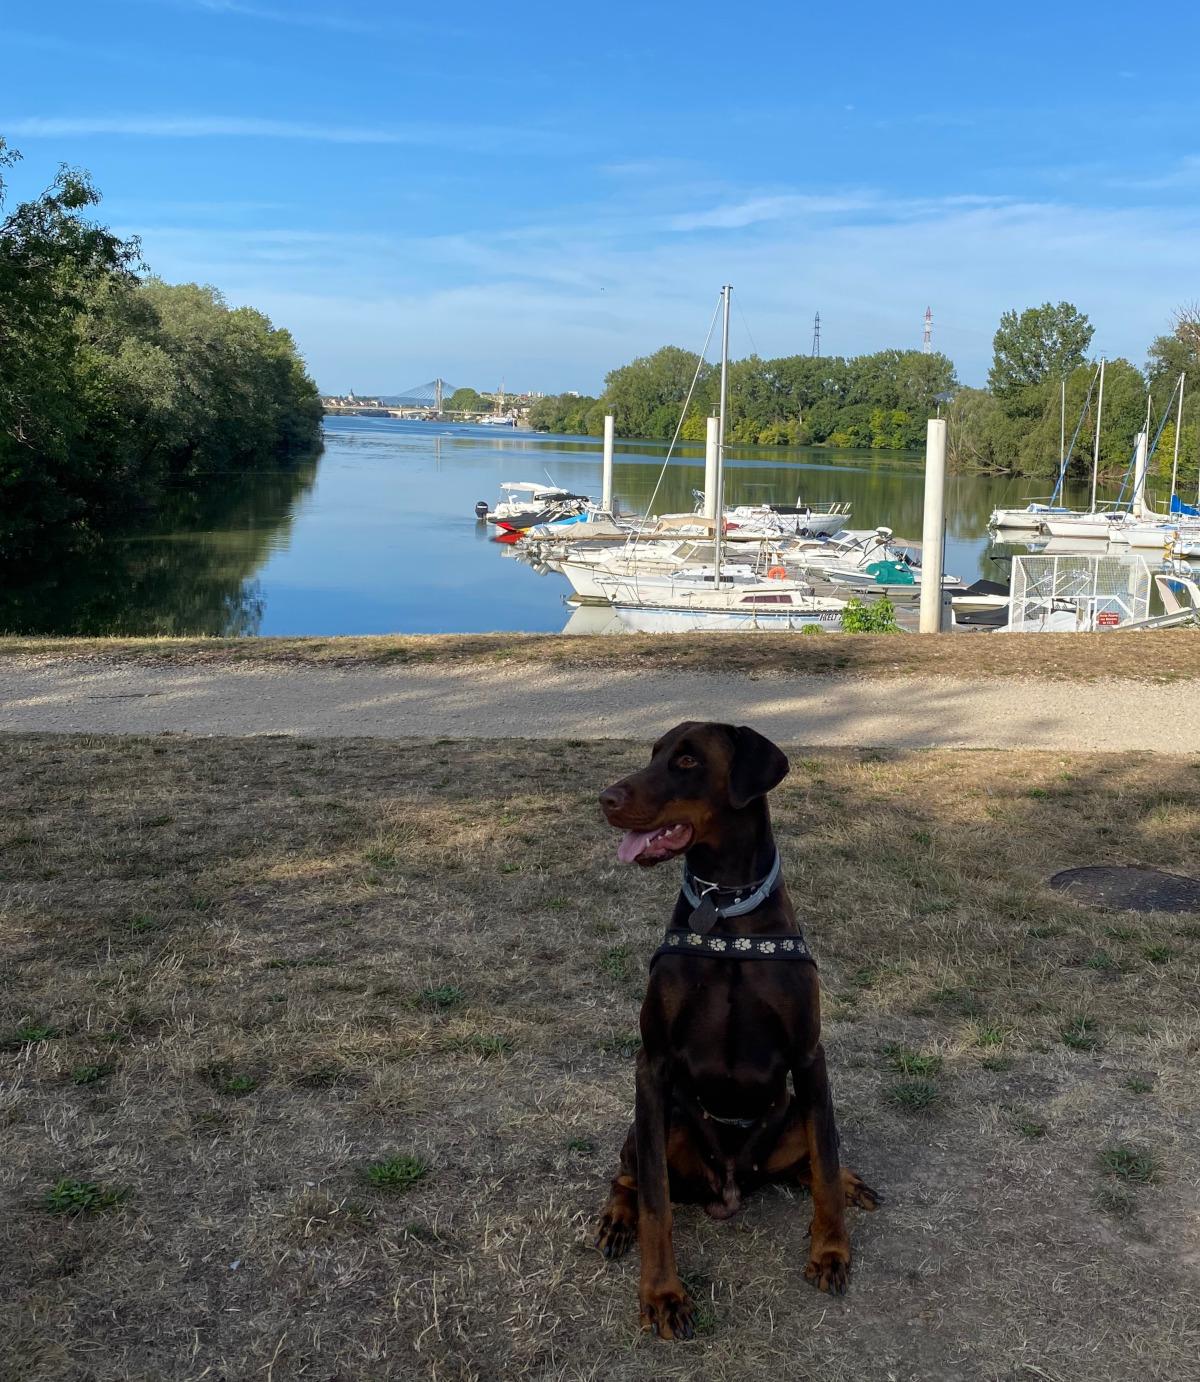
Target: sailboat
{"type": "Point", "coordinates": [719, 596]}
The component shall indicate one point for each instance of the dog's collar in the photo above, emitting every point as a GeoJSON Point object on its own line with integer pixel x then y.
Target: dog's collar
{"type": "Point", "coordinates": [790, 946]}
{"type": "Point", "coordinates": [702, 897]}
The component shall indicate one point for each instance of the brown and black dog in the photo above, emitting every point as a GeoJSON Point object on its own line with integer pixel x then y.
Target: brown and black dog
{"type": "Point", "coordinates": [714, 1118]}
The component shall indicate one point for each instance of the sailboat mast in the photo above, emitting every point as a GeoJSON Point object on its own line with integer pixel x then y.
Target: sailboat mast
{"type": "Point", "coordinates": [1096, 449]}
{"type": "Point", "coordinates": [720, 475]}
{"type": "Point", "coordinates": [1178, 429]}
{"type": "Point", "coordinates": [1062, 427]}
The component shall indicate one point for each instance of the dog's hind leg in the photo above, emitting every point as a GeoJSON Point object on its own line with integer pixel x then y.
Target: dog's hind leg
{"type": "Point", "coordinates": [617, 1229]}
{"type": "Point", "coordinates": [790, 1161]}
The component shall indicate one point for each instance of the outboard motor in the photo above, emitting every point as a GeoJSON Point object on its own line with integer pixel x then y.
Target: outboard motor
{"type": "Point", "coordinates": [481, 510]}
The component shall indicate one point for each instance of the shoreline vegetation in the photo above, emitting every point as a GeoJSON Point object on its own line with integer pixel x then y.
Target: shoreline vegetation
{"type": "Point", "coordinates": [882, 401]}
{"type": "Point", "coordinates": [119, 392]}
{"type": "Point", "coordinates": [1063, 657]}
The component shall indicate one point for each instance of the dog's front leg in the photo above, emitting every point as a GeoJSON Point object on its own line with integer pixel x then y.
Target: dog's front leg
{"type": "Point", "coordinates": [666, 1306]}
{"type": "Point", "coordinates": [829, 1250]}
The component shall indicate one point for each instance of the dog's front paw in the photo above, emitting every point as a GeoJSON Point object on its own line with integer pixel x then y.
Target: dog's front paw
{"type": "Point", "coordinates": [669, 1312]}
{"type": "Point", "coordinates": [829, 1270]}
{"type": "Point", "coordinates": [616, 1232]}
{"type": "Point", "coordinates": [859, 1194]}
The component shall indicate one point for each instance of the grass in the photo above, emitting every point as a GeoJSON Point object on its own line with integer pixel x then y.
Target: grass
{"type": "Point", "coordinates": [326, 981]}
{"type": "Point", "coordinates": [395, 1173]}
{"type": "Point", "coordinates": [80, 1197]}
{"type": "Point", "coordinates": [1162, 656]}
{"type": "Point", "coordinates": [1128, 1164]}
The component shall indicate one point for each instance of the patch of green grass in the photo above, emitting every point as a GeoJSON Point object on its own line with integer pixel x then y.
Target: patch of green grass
{"type": "Point", "coordinates": [1041, 933]}
{"type": "Point", "coordinates": [160, 820]}
{"type": "Point", "coordinates": [145, 923]}
{"type": "Point", "coordinates": [1120, 933]}
{"type": "Point", "coordinates": [236, 1085]}
{"type": "Point", "coordinates": [996, 1063]}
{"type": "Point", "coordinates": [698, 1286]}
{"type": "Point", "coordinates": [1100, 960]}
{"type": "Point", "coordinates": [31, 1034]}
{"type": "Point", "coordinates": [90, 1074]}
{"type": "Point", "coordinates": [1080, 1034]}
{"type": "Point", "coordinates": [914, 1096]}
{"type": "Point", "coordinates": [382, 858]}
{"type": "Point", "coordinates": [909, 1062]}
{"type": "Point", "coordinates": [1158, 954]}
{"type": "Point", "coordinates": [80, 1197]}
{"type": "Point", "coordinates": [626, 1046]}
{"type": "Point", "coordinates": [1037, 792]}
{"type": "Point", "coordinates": [920, 837]}
{"type": "Point", "coordinates": [1128, 1164]}
{"type": "Point", "coordinates": [1028, 1127]}
{"type": "Point", "coordinates": [989, 1034]}
{"type": "Point", "coordinates": [308, 962]}
{"type": "Point", "coordinates": [441, 995]}
{"type": "Point", "coordinates": [1137, 1084]}
{"type": "Point", "coordinates": [580, 1144]}
{"type": "Point", "coordinates": [396, 1173]}
{"type": "Point", "coordinates": [614, 962]}
{"type": "Point", "coordinates": [488, 1047]}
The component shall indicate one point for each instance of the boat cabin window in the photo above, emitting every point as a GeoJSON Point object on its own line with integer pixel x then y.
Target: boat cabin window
{"type": "Point", "coordinates": [766, 599]}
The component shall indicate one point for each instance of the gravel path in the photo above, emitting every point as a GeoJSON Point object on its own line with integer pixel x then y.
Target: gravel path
{"type": "Point", "coordinates": [536, 702]}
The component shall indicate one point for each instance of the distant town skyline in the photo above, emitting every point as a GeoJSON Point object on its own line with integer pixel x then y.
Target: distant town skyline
{"type": "Point", "coordinates": [550, 196]}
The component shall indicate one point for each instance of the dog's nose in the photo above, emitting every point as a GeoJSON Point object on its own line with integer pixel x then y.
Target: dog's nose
{"type": "Point", "coordinates": [613, 798]}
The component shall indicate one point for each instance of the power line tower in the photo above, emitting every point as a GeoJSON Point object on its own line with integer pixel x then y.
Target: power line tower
{"type": "Point", "coordinates": [816, 350]}
{"type": "Point", "coordinates": [927, 344]}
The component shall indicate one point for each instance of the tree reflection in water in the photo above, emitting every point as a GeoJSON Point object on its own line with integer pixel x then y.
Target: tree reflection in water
{"type": "Point", "coordinates": [189, 570]}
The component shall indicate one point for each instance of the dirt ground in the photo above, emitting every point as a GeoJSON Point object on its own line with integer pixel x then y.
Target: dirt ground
{"type": "Point", "coordinates": [1165, 655]}
{"type": "Point", "coordinates": [316, 1058]}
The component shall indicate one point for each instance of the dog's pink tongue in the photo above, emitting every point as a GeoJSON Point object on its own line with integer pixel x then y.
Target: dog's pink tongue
{"type": "Point", "coordinates": [632, 845]}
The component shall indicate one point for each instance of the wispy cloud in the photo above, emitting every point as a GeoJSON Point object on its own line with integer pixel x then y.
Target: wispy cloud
{"type": "Point", "coordinates": [241, 127]}
{"type": "Point", "coordinates": [307, 19]}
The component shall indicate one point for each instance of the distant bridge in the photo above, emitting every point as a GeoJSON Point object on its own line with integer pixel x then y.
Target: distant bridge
{"type": "Point", "coordinates": [429, 395]}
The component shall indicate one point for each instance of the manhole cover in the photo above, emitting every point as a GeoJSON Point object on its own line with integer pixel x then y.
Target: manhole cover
{"type": "Point", "coordinates": [1125, 888]}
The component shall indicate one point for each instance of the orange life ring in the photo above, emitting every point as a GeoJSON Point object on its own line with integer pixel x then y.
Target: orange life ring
{"type": "Point", "coordinates": [777, 573]}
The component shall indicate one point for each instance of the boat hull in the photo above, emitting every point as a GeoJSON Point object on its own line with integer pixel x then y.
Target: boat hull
{"type": "Point", "coordinates": [681, 619]}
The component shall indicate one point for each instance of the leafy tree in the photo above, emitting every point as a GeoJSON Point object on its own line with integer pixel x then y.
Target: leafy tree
{"type": "Point", "coordinates": [574, 414]}
{"type": "Point", "coordinates": [111, 385]}
{"type": "Point", "coordinates": [1043, 343]}
{"type": "Point", "coordinates": [467, 401]}
{"type": "Point", "coordinates": [646, 395]}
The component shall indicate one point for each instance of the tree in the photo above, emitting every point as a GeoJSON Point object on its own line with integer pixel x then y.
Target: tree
{"type": "Point", "coordinates": [466, 401]}
{"type": "Point", "coordinates": [111, 385]}
{"type": "Point", "coordinates": [569, 413]}
{"type": "Point", "coordinates": [1043, 343]}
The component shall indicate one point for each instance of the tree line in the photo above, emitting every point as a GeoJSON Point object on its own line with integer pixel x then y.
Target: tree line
{"type": "Point", "coordinates": [876, 401]}
{"type": "Point", "coordinates": [117, 388]}
{"type": "Point", "coordinates": [883, 400]}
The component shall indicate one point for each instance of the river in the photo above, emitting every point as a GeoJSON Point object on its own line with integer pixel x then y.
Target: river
{"type": "Point", "coordinates": [378, 534]}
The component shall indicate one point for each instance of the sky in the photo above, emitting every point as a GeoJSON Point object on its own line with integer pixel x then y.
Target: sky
{"type": "Point", "coordinates": [540, 192]}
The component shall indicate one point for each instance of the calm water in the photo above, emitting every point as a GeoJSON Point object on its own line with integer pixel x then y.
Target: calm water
{"type": "Point", "coordinates": [378, 535]}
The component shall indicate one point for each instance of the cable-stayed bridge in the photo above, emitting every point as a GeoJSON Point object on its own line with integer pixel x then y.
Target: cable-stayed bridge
{"type": "Point", "coordinates": [429, 395]}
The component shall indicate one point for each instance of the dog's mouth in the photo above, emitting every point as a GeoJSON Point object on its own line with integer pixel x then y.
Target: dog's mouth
{"type": "Point", "coordinates": [653, 846]}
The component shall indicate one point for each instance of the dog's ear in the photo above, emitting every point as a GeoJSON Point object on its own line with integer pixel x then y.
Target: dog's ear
{"type": "Point", "coordinates": [758, 766]}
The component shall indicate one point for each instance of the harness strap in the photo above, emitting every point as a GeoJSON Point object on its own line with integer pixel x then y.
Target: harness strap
{"type": "Point", "coordinates": [679, 941]}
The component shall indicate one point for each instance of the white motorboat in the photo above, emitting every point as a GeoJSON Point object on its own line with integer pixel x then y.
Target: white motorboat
{"type": "Point", "coordinates": [790, 520]}
{"type": "Point", "coordinates": [733, 610]}
{"type": "Point", "coordinates": [666, 587]}
{"type": "Point", "coordinates": [1032, 518]}
{"type": "Point", "coordinates": [526, 504]}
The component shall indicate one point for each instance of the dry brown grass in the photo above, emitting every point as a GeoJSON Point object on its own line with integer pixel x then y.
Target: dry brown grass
{"type": "Point", "coordinates": [1167, 655]}
{"type": "Point", "coordinates": [196, 916]}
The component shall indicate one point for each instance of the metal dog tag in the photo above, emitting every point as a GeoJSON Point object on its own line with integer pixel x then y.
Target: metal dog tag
{"type": "Point", "coordinates": [704, 918]}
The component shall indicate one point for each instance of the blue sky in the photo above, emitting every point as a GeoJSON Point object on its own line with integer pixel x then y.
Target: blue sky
{"type": "Point", "coordinates": [541, 192]}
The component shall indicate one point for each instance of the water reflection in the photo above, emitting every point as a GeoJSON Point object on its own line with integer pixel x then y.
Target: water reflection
{"type": "Point", "coordinates": [191, 571]}
{"type": "Point", "coordinates": [381, 537]}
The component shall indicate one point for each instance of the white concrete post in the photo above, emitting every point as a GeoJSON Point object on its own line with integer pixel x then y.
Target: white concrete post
{"type": "Point", "coordinates": [933, 533]}
{"type": "Point", "coordinates": [1141, 446]}
{"type": "Point", "coordinates": [606, 484]}
{"type": "Point", "coordinates": [710, 466]}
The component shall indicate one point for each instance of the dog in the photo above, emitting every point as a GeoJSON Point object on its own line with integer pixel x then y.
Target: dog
{"type": "Point", "coordinates": [732, 1006]}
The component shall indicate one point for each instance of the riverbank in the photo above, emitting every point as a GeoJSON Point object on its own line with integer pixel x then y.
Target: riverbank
{"type": "Point", "coordinates": [1155, 657]}
{"type": "Point", "coordinates": [537, 699]}
{"type": "Point", "coordinates": [236, 975]}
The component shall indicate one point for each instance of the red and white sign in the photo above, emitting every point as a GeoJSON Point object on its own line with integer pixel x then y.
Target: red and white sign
{"type": "Point", "coordinates": [1107, 619]}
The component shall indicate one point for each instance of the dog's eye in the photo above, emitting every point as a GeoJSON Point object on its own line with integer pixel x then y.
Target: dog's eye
{"type": "Point", "coordinates": [685, 761]}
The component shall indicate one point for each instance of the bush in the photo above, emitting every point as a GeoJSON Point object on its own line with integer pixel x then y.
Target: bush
{"type": "Point", "coordinates": [879, 617]}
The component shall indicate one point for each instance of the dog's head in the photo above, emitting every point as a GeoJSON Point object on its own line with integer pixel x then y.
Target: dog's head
{"type": "Point", "coordinates": [698, 775]}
